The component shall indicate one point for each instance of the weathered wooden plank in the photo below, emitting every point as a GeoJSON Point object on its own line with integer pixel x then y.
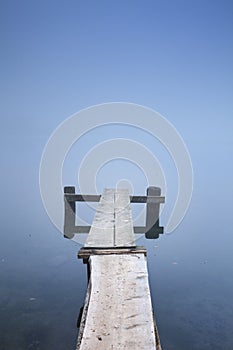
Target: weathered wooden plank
{"type": "Point", "coordinates": [83, 197]}
{"type": "Point", "coordinates": [85, 253]}
{"type": "Point", "coordinates": [137, 229]}
{"type": "Point", "coordinates": [147, 199]}
{"type": "Point", "coordinates": [71, 197]}
{"type": "Point", "coordinates": [119, 314]}
{"type": "Point", "coordinates": [143, 229]}
{"type": "Point", "coordinates": [113, 225]}
{"type": "Point", "coordinates": [81, 229]}
{"type": "Point", "coordinates": [124, 232]}
{"type": "Point", "coordinates": [102, 230]}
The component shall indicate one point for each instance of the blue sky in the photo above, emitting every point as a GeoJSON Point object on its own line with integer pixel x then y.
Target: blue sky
{"type": "Point", "coordinates": [174, 56]}
{"type": "Point", "coordinates": [58, 57]}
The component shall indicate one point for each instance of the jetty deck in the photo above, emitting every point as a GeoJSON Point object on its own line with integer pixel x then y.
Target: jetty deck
{"type": "Point", "coordinates": [118, 311]}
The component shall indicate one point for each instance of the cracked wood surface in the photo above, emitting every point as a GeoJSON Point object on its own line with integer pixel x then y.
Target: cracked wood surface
{"type": "Point", "coordinates": [112, 225]}
{"type": "Point", "coordinates": [119, 311]}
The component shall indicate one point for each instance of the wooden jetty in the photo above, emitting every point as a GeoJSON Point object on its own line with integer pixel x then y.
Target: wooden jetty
{"type": "Point", "coordinates": [118, 311]}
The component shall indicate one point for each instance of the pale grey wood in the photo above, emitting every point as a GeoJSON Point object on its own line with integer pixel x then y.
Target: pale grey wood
{"type": "Point", "coordinates": [113, 224]}
{"type": "Point", "coordinates": [124, 232]}
{"type": "Point", "coordinates": [102, 230]}
{"type": "Point", "coordinates": [119, 314]}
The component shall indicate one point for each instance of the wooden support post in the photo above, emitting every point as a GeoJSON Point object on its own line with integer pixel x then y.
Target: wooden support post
{"type": "Point", "coordinates": [152, 214]}
{"type": "Point", "coordinates": [70, 213]}
{"type": "Point", "coordinates": [118, 206]}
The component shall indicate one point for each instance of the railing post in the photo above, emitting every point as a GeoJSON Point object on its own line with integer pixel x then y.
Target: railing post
{"type": "Point", "coordinates": [70, 213]}
{"type": "Point", "coordinates": [152, 214]}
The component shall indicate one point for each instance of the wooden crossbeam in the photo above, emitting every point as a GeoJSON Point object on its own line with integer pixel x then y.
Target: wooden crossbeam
{"type": "Point", "coordinates": [152, 200]}
{"type": "Point", "coordinates": [72, 197]}
{"type": "Point", "coordinates": [85, 253]}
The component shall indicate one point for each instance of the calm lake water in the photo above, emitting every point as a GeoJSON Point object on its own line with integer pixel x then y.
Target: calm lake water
{"type": "Point", "coordinates": [43, 286]}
